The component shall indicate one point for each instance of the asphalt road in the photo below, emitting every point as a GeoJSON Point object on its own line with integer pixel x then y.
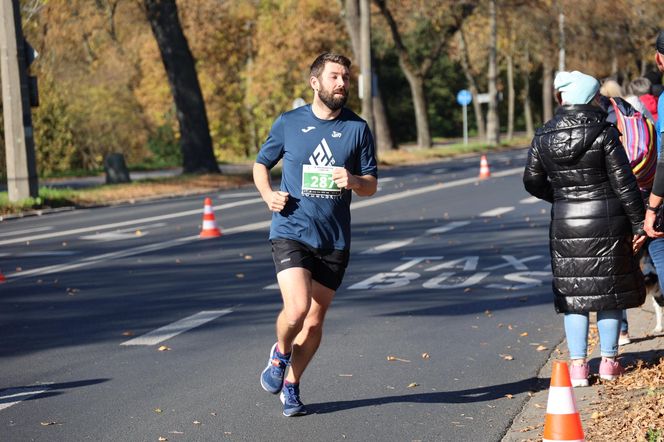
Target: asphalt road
{"type": "Point", "coordinates": [442, 266]}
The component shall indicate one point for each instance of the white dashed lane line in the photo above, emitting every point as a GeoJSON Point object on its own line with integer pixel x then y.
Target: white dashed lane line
{"type": "Point", "coordinates": [13, 396]}
{"type": "Point", "coordinates": [497, 211]}
{"type": "Point", "coordinates": [171, 330]}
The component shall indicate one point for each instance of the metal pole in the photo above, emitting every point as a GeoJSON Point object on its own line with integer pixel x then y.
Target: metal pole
{"type": "Point", "coordinates": [465, 124]}
{"type": "Point", "coordinates": [19, 142]}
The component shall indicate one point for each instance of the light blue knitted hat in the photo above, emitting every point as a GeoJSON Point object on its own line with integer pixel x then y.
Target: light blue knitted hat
{"type": "Point", "coordinates": [576, 87]}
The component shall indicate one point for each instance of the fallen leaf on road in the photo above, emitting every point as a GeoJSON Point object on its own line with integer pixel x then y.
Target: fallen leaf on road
{"type": "Point", "coordinates": [197, 422]}
{"type": "Point", "coordinates": [509, 396]}
{"type": "Point", "coordinates": [488, 313]}
{"type": "Point", "coordinates": [413, 385]}
{"type": "Point", "coordinates": [541, 348]}
{"type": "Point", "coordinates": [507, 357]}
{"type": "Point", "coordinates": [162, 439]}
{"type": "Point", "coordinates": [128, 333]}
{"type": "Point", "coordinates": [46, 424]}
{"type": "Point", "coordinates": [425, 356]}
{"type": "Point", "coordinates": [139, 233]}
{"type": "Point", "coordinates": [394, 358]}
{"type": "Point", "coordinates": [524, 334]}
{"type": "Point", "coordinates": [539, 406]}
{"type": "Point", "coordinates": [163, 348]}
{"type": "Point", "coordinates": [158, 410]}
{"type": "Point", "coordinates": [248, 257]}
{"type": "Point", "coordinates": [72, 291]}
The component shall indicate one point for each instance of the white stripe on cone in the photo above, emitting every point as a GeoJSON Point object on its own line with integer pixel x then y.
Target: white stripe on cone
{"type": "Point", "coordinates": [561, 401]}
{"type": "Point", "coordinates": [209, 224]}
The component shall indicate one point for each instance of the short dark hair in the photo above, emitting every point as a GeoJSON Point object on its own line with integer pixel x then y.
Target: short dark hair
{"type": "Point", "coordinates": [659, 43]}
{"type": "Point", "coordinates": [328, 57]}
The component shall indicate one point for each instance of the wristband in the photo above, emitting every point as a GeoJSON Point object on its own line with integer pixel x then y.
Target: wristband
{"type": "Point", "coordinates": [654, 209]}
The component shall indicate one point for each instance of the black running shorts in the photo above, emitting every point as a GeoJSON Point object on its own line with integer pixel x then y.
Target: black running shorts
{"type": "Point", "coordinates": [327, 266]}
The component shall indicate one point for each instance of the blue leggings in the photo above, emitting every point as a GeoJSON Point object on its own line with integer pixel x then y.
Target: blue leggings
{"type": "Point", "coordinates": [576, 330]}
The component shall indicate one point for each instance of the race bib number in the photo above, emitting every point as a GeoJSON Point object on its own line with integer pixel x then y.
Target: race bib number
{"type": "Point", "coordinates": [317, 182]}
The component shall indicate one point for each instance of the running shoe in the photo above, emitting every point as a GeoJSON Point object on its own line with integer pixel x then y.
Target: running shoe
{"type": "Point", "coordinates": [272, 378]}
{"type": "Point", "coordinates": [610, 369]}
{"type": "Point", "coordinates": [579, 375]}
{"type": "Point", "coordinates": [290, 397]}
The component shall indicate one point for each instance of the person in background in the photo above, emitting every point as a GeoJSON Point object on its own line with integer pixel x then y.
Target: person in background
{"type": "Point", "coordinates": [636, 89]}
{"type": "Point", "coordinates": [656, 246]}
{"type": "Point", "coordinates": [577, 163]}
{"type": "Point", "coordinates": [650, 100]}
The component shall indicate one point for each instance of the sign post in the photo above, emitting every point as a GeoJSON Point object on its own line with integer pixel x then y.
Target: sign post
{"type": "Point", "coordinates": [464, 97]}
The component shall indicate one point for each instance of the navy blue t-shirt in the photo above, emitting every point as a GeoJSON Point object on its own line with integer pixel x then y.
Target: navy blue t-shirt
{"type": "Point", "coordinates": [299, 138]}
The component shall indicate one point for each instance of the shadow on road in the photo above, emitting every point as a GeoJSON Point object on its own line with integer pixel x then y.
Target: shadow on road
{"type": "Point", "coordinates": [479, 394]}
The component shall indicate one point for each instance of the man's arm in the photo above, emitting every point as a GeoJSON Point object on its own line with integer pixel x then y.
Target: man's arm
{"type": "Point", "coordinates": [362, 185]}
{"type": "Point", "coordinates": [275, 200]}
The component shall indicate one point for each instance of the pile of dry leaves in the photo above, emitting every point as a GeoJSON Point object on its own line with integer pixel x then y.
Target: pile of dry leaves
{"type": "Point", "coordinates": [630, 408]}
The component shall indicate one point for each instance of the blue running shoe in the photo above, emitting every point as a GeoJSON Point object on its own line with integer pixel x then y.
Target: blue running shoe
{"type": "Point", "coordinates": [272, 378]}
{"type": "Point", "coordinates": [290, 397]}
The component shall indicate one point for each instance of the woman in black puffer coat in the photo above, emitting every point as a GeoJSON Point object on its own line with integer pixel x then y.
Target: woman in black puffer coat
{"type": "Point", "coordinates": [577, 163]}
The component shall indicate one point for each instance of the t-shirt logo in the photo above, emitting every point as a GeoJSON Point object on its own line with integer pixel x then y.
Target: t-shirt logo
{"type": "Point", "coordinates": [322, 155]}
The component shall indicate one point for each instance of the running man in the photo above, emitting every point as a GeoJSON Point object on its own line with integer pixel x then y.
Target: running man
{"type": "Point", "coordinates": [327, 151]}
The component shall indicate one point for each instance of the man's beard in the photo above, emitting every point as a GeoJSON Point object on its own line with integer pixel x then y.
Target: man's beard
{"type": "Point", "coordinates": [332, 102]}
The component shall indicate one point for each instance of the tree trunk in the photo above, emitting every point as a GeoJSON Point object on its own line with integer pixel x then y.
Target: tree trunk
{"type": "Point", "coordinates": [492, 123]}
{"type": "Point", "coordinates": [420, 104]}
{"type": "Point", "coordinates": [195, 140]}
{"type": "Point", "coordinates": [383, 135]}
{"type": "Point", "coordinates": [510, 97]}
{"type": "Point", "coordinates": [365, 63]}
{"type": "Point", "coordinates": [547, 90]}
{"type": "Point", "coordinates": [472, 85]}
{"type": "Point", "coordinates": [527, 111]}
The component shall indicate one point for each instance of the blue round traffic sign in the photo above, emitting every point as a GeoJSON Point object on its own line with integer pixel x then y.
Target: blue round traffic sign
{"type": "Point", "coordinates": [464, 97]}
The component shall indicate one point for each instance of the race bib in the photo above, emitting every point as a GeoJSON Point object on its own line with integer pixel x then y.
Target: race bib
{"type": "Point", "coordinates": [317, 182]}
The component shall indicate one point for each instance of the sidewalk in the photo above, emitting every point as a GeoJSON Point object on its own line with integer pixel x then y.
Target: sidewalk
{"type": "Point", "coordinates": [592, 401]}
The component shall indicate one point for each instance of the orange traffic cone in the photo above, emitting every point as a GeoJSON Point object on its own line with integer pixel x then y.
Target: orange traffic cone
{"type": "Point", "coordinates": [484, 168]}
{"type": "Point", "coordinates": [562, 419]}
{"type": "Point", "coordinates": [210, 229]}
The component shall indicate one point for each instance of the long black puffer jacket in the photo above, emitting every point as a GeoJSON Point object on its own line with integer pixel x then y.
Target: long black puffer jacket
{"type": "Point", "coordinates": [576, 162]}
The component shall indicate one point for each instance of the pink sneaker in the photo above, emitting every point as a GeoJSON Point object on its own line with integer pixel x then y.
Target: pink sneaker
{"type": "Point", "coordinates": [610, 370]}
{"type": "Point", "coordinates": [579, 375]}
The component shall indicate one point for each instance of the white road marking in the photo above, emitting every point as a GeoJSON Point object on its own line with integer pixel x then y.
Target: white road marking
{"type": "Point", "coordinates": [128, 222]}
{"type": "Point", "coordinates": [388, 246]}
{"type": "Point", "coordinates": [239, 229]}
{"type": "Point", "coordinates": [122, 234]}
{"type": "Point", "coordinates": [386, 179]}
{"type": "Point", "coordinates": [16, 395]}
{"type": "Point", "coordinates": [23, 232]}
{"type": "Point", "coordinates": [221, 196]}
{"type": "Point", "coordinates": [168, 331]}
{"type": "Point", "coordinates": [90, 260]}
{"type": "Point", "coordinates": [426, 189]}
{"type": "Point", "coordinates": [530, 200]}
{"type": "Point", "coordinates": [40, 254]}
{"type": "Point", "coordinates": [497, 211]}
{"type": "Point", "coordinates": [274, 286]}
{"type": "Point", "coordinates": [447, 227]}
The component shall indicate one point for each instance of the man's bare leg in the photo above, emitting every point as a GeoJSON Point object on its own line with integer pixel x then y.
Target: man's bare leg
{"type": "Point", "coordinates": [296, 288]}
{"type": "Point", "coordinates": [308, 339]}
